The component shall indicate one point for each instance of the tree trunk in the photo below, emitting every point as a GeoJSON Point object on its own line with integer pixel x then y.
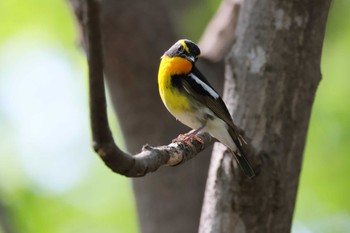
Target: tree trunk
{"type": "Point", "coordinates": [272, 74]}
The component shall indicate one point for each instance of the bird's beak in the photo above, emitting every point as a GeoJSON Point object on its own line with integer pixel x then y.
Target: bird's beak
{"type": "Point", "coordinates": [191, 58]}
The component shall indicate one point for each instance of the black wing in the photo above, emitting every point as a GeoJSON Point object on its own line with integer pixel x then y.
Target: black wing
{"type": "Point", "coordinates": [199, 88]}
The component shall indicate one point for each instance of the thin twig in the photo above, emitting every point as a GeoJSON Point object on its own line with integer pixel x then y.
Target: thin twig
{"type": "Point", "coordinates": [150, 158]}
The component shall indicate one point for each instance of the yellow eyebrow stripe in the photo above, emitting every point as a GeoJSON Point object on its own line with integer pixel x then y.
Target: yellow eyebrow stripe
{"type": "Point", "coordinates": [185, 46]}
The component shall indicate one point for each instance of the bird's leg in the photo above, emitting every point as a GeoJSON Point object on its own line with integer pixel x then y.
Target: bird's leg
{"type": "Point", "coordinates": [195, 131]}
{"type": "Point", "coordinates": [193, 134]}
{"type": "Point", "coordinates": [188, 136]}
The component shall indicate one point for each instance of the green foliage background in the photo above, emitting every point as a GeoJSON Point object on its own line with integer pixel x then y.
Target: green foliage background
{"type": "Point", "coordinates": [103, 202]}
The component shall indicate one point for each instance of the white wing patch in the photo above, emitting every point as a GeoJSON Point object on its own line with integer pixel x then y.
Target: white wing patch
{"type": "Point", "coordinates": [205, 86]}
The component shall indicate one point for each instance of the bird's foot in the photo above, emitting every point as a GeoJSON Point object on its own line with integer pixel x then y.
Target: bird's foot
{"type": "Point", "coordinates": [187, 137]}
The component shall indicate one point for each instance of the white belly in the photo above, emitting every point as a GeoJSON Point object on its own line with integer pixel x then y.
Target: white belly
{"type": "Point", "coordinates": [188, 118]}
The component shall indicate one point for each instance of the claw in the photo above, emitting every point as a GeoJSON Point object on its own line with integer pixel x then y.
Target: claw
{"type": "Point", "coordinates": [197, 139]}
{"type": "Point", "coordinates": [186, 138]}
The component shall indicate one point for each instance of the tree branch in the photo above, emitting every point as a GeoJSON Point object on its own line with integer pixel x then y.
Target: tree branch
{"type": "Point", "coordinates": [150, 158]}
{"type": "Point", "coordinates": [219, 35]}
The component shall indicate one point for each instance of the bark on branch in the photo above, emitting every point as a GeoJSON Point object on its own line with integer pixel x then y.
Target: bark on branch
{"type": "Point", "coordinates": [150, 158]}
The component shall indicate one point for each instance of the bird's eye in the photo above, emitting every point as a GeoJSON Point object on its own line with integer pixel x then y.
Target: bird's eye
{"type": "Point", "coordinates": [180, 51]}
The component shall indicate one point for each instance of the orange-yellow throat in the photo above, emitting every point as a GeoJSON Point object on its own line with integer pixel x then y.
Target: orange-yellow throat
{"type": "Point", "coordinates": [172, 99]}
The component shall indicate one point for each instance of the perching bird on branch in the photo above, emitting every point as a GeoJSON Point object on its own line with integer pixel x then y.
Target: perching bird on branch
{"type": "Point", "coordinates": [190, 98]}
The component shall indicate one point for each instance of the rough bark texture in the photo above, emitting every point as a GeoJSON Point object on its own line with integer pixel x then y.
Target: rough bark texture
{"type": "Point", "coordinates": [272, 74]}
{"type": "Point", "coordinates": [135, 35]}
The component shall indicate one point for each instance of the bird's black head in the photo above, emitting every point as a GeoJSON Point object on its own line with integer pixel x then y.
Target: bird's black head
{"type": "Point", "coordinates": [184, 48]}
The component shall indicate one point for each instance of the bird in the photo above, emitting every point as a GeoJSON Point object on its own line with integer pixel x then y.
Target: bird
{"type": "Point", "coordinates": [190, 98]}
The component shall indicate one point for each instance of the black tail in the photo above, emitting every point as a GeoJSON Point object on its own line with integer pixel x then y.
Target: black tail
{"type": "Point", "coordinates": [244, 164]}
{"type": "Point", "coordinates": [240, 157]}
